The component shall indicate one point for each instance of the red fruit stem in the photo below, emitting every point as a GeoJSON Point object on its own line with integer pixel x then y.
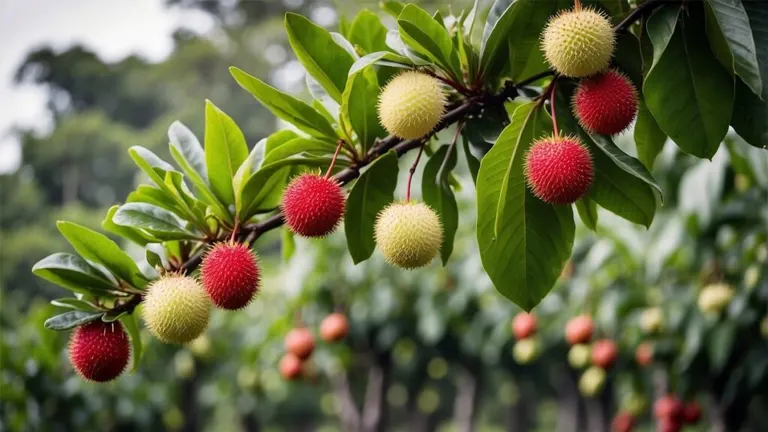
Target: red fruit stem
{"type": "Point", "coordinates": [413, 170]}
{"type": "Point", "coordinates": [333, 161]}
{"type": "Point", "coordinates": [577, 5]}
{"type": "Point", "coordinates": [552, 92]}
{"type": "Point", "coordinates": [234, 231]}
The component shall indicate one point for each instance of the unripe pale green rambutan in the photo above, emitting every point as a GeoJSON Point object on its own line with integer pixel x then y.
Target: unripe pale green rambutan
{"type": "Point", "coordinates": [578, 43]}
{"type": "Point", "coordinates": [526, 351]}
{"type": "Point", "coordinates": [408, 234]}
{"type": "Point", "coordinates": [592, 381]}
{"type": "Point", "coordinates": [176, 309]}
{"type": "Point", "coordinates": [715, 297]}
{"type": "Point", "coordinates": [411, 104]}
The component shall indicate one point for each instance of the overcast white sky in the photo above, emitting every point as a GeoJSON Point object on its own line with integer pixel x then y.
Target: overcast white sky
{"type": "Point", "coordinates": [114, 28]}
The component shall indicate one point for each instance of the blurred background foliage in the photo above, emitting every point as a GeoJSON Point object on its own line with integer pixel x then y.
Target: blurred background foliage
{"type": "Point", "coordinates": [431, 349]}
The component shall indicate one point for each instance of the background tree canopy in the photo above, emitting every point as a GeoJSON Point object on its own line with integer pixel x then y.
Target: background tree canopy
{"type": "Point", "coordinates": [680, 203]}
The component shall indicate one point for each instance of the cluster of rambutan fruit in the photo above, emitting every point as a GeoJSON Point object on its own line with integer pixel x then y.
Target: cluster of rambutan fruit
{"type": "Point", "coordinates": [299, 343]}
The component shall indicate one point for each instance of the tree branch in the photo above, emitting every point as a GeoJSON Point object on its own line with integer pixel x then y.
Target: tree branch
{"type": "Point", "coordinates": [348, 412]}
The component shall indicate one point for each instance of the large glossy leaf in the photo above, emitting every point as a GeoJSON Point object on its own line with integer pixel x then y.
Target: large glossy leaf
{"type": "Point", "coordinates": [587, 209]}
{"type": "Point", "coordinates": [74, 273]}
{"type": "Point", "coordinates": [71, 319]}
{"type": "Point", "coordinates": [688, 92]}
{"type": "Point", "coordinates": [368, 32]}
{"type": "Point", "coordinates": [523, 242]}
{"type": "Point", "coordinates": [153, 166]}
{"type": "Point", "coordinates": [730, 35]}
{"type": "Point", "coordinates": [649, 138]}
{"type": "Point", "coordinates": [277, 139]}
{"type": "Point", "coordinates": [437, 193]}
{"type": "Point", "coordinates": [359, 108]}
{"type": "Point", "coordinates": [190, 153]}
{"type": "Point", "coordinates": [385, 58]}
{"type": "Point", "coordinates": [512, 35]}
{"type": "Point", "coordinates": [660, 28]}
{"type": "Point", "coordinates": [428, 37]}
{"type": "Point", "coordinates": [225, 150]}
{"type": "Point", "coordinates": [251, 164]}
{"type": "Point", "coordinates": [626, 162]}
{"type": "Point", "coordinates": [392, 7]}
{"type": "Point", "coordinates": [373, 191]}
{"type": "Point", "coordinates": [286, 106]}
{"type": "Point", "coordinates": [750, 112]}
{"type": "Point", "coordinates": [74, 303]}
{"type": "Point", "coordinates": [129, 321]}
{"type": "Point", "coordinates": [137, 236]}
{"type": "Point", "coordinates": [321, 56]}
{"type": "Point", "coordinates": [157, 221]}
{"type": "Point", "coordinates": [298, 146]}
{"type": "Point", "coordinates": [98, 248]}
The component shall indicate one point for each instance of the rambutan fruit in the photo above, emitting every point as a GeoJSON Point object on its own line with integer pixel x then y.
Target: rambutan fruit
{"type": "Point", "coordinates": [559, 170]}
{"type": "Point", "coordinates": [668, 406]}
{"type": "Point", "coordinates": [290, 367]}
{"type": "Point", "coordinates": [99, 351]}
{"type": "Point", "coordinates": [526, 351]}
{"type": "Point", "coordinates": [578, 43]}
{"type": "Point", "coordinates": [592, 381]}
{"type": "Point", "coordinates": [230, 275]}
{"type": "Point", "coordinates": [579, 330]}
{"type": "Point", "coordinates": [579, 356]}
{"type": "Point", "coordinates": [313, 205]}
{"type": "Point", "coordinates": [334, 327]}
{"type": "Point", "coordinates": [644, 354]}
{"type": "Point", "coordinates": [176, 309]}
{"type": "Point", "coordinates": [604, 353]}
{"type": "Point", "coordinates": [408, 234]}
{"type": "Point", "coordinates": [300, 342]}
{"type": "Point", "coordinates": [524, 325]}
{"type": "Point", "coordinates": [691, 413]}
{"type": "Point", "coordinates": [623, 422]}
{"type": "Point", "coordinates": [605, 104]}
{"type": "Point", "coordinates": [652, 320]}
{"type": "Point", "coordinates": [411, 104]}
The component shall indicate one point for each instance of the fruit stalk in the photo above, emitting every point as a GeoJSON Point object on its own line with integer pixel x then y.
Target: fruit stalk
{"type": "Point", "coordinates": [413, 170]}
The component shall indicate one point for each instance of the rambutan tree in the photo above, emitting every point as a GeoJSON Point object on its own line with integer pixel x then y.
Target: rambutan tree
{"type": "Point", "coordinates": [529, 97]}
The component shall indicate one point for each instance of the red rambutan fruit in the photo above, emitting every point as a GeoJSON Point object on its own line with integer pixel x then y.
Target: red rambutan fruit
{"type": "Point", "coordinates": [579, 330]}
{"type": "Point", "coordinates": [230, 275]}
{"type": "Point", "coordinates": [300, 342]}
{"type": "Point", "coordinates": [290, 367]}
{"type": "Point", "coordinates": [644, 354]}
{"type": "Point", "coordinates": [99, 351]}
{"type": "Point", "coordinates": [605, 104]}
{"type": "Point", "coordinates": [313, 205]}
{"type": "Point", "coordinates": [691, 413]}
{"type": "Point", "coordinates": [604, 353]}
{"type": "Point", "coordinates": [524, 325]}
{"type": "Point", "coordinates": [668, 407]}
{"type": "Point", "coordinates": [334, 327]}
{"type": "Point", "coordinates": [559, 170]}
{"type": "Point", "coordinates": [623, 422]}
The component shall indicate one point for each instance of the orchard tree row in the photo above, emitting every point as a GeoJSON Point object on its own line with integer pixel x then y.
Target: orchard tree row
{"type": "Point", "coordinates": [534, 97]}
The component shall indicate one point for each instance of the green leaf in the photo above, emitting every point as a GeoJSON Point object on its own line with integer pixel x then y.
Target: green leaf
{"type": "Point", "coordinates": [523, 242]}
{"type": "Point", "coordinates": [288, 244]}
{"type": "Point", "coordinates": [132, 327]}
{"type": "Point", "coordinates": [511, 38]}
{"type": "Point", "coordinates": [380, 57]}
{"type": "Point", "coordinates": [629, 58]}
{"type": "Point", "coordinates": [473, 163]}
{"type": "Point", "coordinates": [190, 153]}
{"type": "Point", "coordinates": [73, 273]}
{"type": "Point", "coordinates": [438, 195]}
{"type": "Point", "coordinates": [225, 151]}
{"type": "Point", "coordinates": [137, 236]}
{"type": "Point", "coordinates": [285, 106]}
{"type": "Point", "coordinates": [373, 191]}
{"type": "Point", "coordinates": [587, 212]}
{"type": "Point", "coordinates": [157, 221]}
{"type": "Point", "coordinates": [74, 303]}
{"type": "Point", "coordinates": [249, 166]}
{"type": "Point", "coordinates": [277, 139]}
{"type": "Point", "coordinates": [298, 146]}
{"type": "Point", "coordinates": [660, 28]}
{"type": "Point", "coordinates": [720, 343]}
{"type": "Point", "coordinates": [360, 108]}
{"type": "Point", "coordinates": [321, 56]}
{"type": "Point", "coordinates": [98, 248]}
{"type": "Point", "coordinates": [649, 138]}
{"type": "Point", "coordinates": [750, 112]}
{"type": "Point", "coordinates": [71, 319]}
{"type": "Point", "coordinates": [426, 36]}
{"type": "Point", "coordinates": [626, 162]}
{"type": "Point", "coordinates": [730, 35]}
{"type": "Point", "coordinates": [368, 32]}
{"type": "Point", "coordinates": [152, 165]}
{"type": "Point", "coordinates": [393, 7]}
{"type": "Point", "coordinates": [689, 93]}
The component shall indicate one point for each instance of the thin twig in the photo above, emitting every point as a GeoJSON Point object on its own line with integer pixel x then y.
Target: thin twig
{"type": "Point", "coordinates": [333, 161]}
{"type": "Point", "coordinates": [552, 93]}
{"type": "Point", "coordinates": [413, 170]}
{"type": "Point", "coordinates": [450, 151]}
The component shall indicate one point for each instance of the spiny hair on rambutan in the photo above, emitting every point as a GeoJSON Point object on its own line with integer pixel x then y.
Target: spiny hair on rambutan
{"type": "Point", "coordinates": [230, 275]}
{"type": "Point", "coordinates": [313, 205]}
{"type": "Point", "coordinates": [99, 351]}
{"type": "Point", "coordinates": [411, 104]}
{"type": "Point", "coordinates": [559, 170]}
{"type": "Point", "coordinates": [409, 234]}
{"type": "Point", "coordinates": [176, 308]}
{"type": "Point", "coordinates": [605, 104]}
{"type": "Point", "coordinates": [579, 42]}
